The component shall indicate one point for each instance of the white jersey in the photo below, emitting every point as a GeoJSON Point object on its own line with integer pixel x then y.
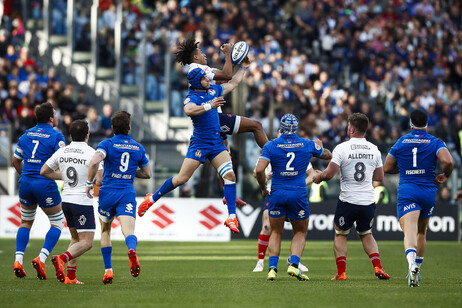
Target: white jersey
{"type": "Point", "coordinates": [358, 159]}
{"type": "Point", "coordinates": [73, 162]}
{"type": "Point", "coordinates": [269, 169]}
{"type": "Point", "coordinates": [209, 72]}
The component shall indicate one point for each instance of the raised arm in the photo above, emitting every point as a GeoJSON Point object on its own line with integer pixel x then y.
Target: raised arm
{"type": "Point", "coordinates": [237, 78]}
{"type": "Point", "coordinates": [447, 164]}
{"type": "Point", "coordinates": [391, 165]}
{"type": "Point", "coordinates": [195, 110]}
{"type": "Point", "coordinates": [227, 72]}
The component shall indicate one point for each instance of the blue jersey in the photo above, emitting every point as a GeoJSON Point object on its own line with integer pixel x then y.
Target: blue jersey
{"type": "Point", "coordinates": [123, 156]}
{"type": "Point", "coordinates": [36, 146]}
{"type": "Point", "coordinates": [207, 125]}
{"type": "Point", "coordinates": [289, 156]}
{"type": "Point", "coordinates": [416, 154]}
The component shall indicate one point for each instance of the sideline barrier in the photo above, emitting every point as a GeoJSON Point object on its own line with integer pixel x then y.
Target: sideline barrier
{"type": "Point", "coordinates": [170, 219]}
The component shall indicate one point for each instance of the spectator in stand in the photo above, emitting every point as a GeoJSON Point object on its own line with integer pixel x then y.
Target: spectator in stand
{"type": "Point", "coordinates": [106, 124]}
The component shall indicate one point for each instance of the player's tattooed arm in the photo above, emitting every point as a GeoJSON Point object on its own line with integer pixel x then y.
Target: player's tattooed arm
{"type": "Point", "coordinates": [327, 155]}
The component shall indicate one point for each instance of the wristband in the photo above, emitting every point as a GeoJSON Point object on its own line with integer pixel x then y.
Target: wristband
{"type": "Point", "coordinates": [244, 69]}
{"type": "Point", "coordinates": [90, 183]}
{"type": "Point", "coordinates": [207, 106]}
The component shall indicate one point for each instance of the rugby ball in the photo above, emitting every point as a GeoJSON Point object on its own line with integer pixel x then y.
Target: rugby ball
{"type": "Point", "coordinates": [239, 52]}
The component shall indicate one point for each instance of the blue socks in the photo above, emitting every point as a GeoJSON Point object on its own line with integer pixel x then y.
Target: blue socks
{"type": "Point", "coordinates": [131, 242]}
{"type": "Point", "coordinates": [107, 252]}
{"type": "Point", "coordinates": [230, 195]}
{"type": "Point", "coordinates": [22, 238]}
{"type": "Point", "coordinates": [51, 238]}
{"type": "Point", "coordinates": [272, 261]}
{"type": "Point", "coordinates": [164, 189]}
{"type": "Point", "coordinates": [294, 259]}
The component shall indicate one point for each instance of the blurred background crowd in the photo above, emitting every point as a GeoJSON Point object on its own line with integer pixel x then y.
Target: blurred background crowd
{"type": "Point", "coordinates": [321, 60]}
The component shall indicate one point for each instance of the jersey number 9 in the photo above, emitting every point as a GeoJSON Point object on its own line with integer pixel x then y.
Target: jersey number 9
{"type": "Point", "coordinates": [124, 160]}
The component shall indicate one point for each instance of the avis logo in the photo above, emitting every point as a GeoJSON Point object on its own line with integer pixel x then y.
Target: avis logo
{"type": "Point", "coordinates": [211, 214]}
{"type": "Point", "coordinates": [162, 221]}
{"type": "Point", "coordinates": [408, 207]}
{"type": "Point", "coordinates": [15, 210]}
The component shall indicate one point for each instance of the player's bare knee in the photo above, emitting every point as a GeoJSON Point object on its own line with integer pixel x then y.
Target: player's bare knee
{"type": "Point", "coordinates": [230, 177]}
{"type": "Point", "coordinates": [180, 180]}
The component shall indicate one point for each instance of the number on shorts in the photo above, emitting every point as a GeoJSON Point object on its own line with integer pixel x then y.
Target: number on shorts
{"type": "Point", "coordinates": [72, 175]}
{"type": "Point", "coordinates": [292, 157]}
{"type": "Point", "coordinates": [124, 160]}
{"type": "Point", "coordinates": [360, 173]}
{"type": "Point", "coordinates": [414, 157]}
{"type": "Point", "coordinates": [35, 147]}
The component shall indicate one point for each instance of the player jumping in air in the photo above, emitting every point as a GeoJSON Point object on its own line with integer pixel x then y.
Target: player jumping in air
{"type": "Point", "coordinates": [201, 105]}
{"type": "Point", "coordinates": [414, 157]}
{"type": "Point", "coordinates": [188, 53]}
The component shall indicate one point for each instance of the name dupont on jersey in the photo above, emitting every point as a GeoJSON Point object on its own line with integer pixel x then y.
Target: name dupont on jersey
{"type": "Point", "coordinates": [418, 171]}
{"type": "Point", "coordinates": [72, 160]}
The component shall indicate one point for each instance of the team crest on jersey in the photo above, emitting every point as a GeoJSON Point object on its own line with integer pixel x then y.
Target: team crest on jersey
{"type": "Point", "coordinates": [212, 92]}
{"type": "Point", "coordinates": [198, 153]}
{"type": "Point", "coordinates": [61, 144]}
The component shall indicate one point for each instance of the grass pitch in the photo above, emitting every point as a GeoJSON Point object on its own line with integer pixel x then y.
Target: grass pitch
{"type": "Point", "coordinates": [220, 275]}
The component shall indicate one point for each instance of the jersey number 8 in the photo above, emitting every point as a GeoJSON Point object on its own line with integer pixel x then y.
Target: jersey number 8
{"type": "Point", "coordinates": [360, 172]}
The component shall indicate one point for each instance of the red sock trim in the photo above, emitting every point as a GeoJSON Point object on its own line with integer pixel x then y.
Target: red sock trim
{"type": "Point", "coordinates": [263, 241]}
{"type": "Point", "coordinates": [71, 270]}
{"type": "Point", "coordinates": [66, 257]}
{"type": "Point", "coordinates": [375, 259]}
{"type": "Point", "coordinates": [341, 264]}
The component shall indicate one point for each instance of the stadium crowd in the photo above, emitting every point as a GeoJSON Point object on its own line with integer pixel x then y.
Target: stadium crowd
{"type": "Point", "coordinates": [321, 60]}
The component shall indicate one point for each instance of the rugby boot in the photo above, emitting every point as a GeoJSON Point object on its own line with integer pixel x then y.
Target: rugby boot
{"type": "Point", "coordinates": [232, 224]}
{"type": "Point", "coordinates": [134, 263]}
{"type": "Point", "coordinates": [295, 272]}
{"type": "Point", "coordinates": [342, 276]}
{"type": "Point", "coordinates": [72, 281]}
{"type": "Point", "coordinates": [59, 267]}
{"type": "Point", "coordinates": [108, 276]}
{"type": "Point", "coordinates": [272, 274]}
{"type": "Point", "coordinates": [302, 267]}
{"type": "Point", "coordinates": [40, 268]}
{"type": "Point", "coordinates": [18, 269]}
{"type": "Point", "coordinates": [145, 205]}
{"type": "Point", "coordinates": [380, 273]}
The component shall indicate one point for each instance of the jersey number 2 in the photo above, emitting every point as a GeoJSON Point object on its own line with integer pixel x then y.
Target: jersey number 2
{"type": "Point", "coordinates": [124, 160]}
{"type": "Point", "coordinates": [292, 157]}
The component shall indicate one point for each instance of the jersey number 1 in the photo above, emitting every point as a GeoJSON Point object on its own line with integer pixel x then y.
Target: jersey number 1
{"type": "Point", "coordinates": [414, 157]}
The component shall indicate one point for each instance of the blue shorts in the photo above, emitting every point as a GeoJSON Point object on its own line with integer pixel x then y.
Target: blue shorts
{"type": "Point", "coordinates": [116, 202]}
{"type": "Point", "coordinates": [229, 123]}
{"type": "Point", "coordinates": [347, 213]}
{"type": "Point", "coordinates": [44, 192]}
{"type": "Point", "coordinates": [413, 197]}
{"type": "Point", "coordinates": [201, 153]}
{"type": "Point", "coordinates": [266, 204]}
{"type": "Point", "coordinates": [290, 203]}
{"type": "Point", "coordinates": [81, 217]}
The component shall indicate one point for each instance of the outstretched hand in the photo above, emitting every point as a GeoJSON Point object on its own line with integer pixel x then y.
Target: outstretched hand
{"type": "Point", "coordinates": [246, 62]}
{"type": "Point", "coordinates": [218, 102]}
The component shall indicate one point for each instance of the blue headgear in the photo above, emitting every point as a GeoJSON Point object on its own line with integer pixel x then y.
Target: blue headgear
{"type": "Point", "coordinates": [194, 78]}
{"type": "Point", "coordinates": [289, 124]}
